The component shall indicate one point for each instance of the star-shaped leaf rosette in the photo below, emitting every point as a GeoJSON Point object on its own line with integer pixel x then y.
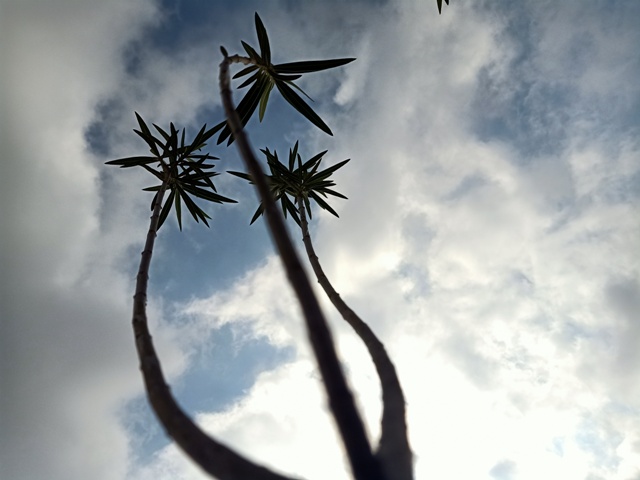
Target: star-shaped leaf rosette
{"type": "Point", "coordinates": [298, 180]}
{"type": "Point", "coordinates": [265, 76]}
{"type": "Point", "coordinates": [181, 168]}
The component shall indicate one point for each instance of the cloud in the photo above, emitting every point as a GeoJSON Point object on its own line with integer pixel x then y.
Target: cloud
{"type": "Point", "coordinates": [489, 238]}
{"type": "Point", "coordinates": [487, 265]}
{"type": "Point", "coordinates": [67, 354]}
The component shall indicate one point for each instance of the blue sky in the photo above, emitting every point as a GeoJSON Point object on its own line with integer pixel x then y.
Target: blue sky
{"type": "Point", "coordinates": [491, 236]}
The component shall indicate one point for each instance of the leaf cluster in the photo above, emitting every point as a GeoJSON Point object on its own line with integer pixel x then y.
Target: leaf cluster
{"type": "Point", "coordinates": [439, 2]}
{"type": "Point", "coordinates": [264, 76]}
{"type": "Point", "coordinates": [298, 180]}
{"type": "Point", "coordinates": [180, 167]}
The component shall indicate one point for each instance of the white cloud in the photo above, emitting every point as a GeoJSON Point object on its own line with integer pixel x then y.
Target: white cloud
{"type": "Point", "coordinates": [503, 279]}
{"type": "Point", "coordinates": [507, 309]}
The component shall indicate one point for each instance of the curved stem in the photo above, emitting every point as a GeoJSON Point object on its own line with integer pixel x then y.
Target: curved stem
{"type": "Point", "coordinates": [393, 450]}
{"type": "Point", "coordinates": [215, 458]}
{"type": "Point", "coordinates": [363, 463]}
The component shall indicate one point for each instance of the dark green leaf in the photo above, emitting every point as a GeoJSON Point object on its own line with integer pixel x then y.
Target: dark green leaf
{"type": "Point", "coordinates": [206, 194]}
{"type": "Point", "coordinates": [245, 71]}
{"type": "Point", "coordinates": [312, 160]}
{"type": "Point", "coordinates": [300, 90]}
{"type": "Point", "coordinates": [244, 176]}
{"type": "Point", "coordinates": [259, 211]}
{"type": "Point", "coordinates": [251, 52]}
{"type": "Point", "coordinates": [150, 140]}
{"type": "Point", "coordinates": [246, 107]}
{"type": "Point", "coordinates": [178, 211]}
{"type": "Point", "coordinates": [292, 155]}
{"type": "Point", "coordinates": [132, 161]}
{"type": "Point", "coordinates": [285, 78]}
{"type": "Point", "coordinates": [263, 101]}
{"type": "Point", "coordinates": [439, 2]}
{"type": "Point", "coordinates": [166, 136]}
{"type": "Point", "coordinates": [322, 203]}
{"type": "Point", "coordinates": [311, 66]}
{"type": "Point", "coordinates": [332, 192]}
{"type": "Point", "coordinates": [196, 212]}
{"type": "Point", "coordinates": [300, 105]}
{"type": "Point", "coordinates": [263, 40]}
{"type": "Point", "coordinates": [249, 80]}
{"type": "Point", "coordinates": [325, 173]}
{"type": "Point", "coordinates": [166, 208]}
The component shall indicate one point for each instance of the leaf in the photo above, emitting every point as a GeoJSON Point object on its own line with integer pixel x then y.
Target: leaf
{"type": "Point", "coordinates": [249, 80]}
{"type": "Point", "coordinates": [299, 104]}
{"type": "Point", "coordinates": [132, 161]}
{"type": "Point", "coordinates": [178, 211]}
{"type": "Point", "coordinates": [195, 210]}
{"type": "Point", "coordinates": [263, 101]}
{"type": "Point", "coordinates": [322, 203]}
{"type": "Point", "coordinates": [292, 155]}
{"type": "Point", "coordinates": [245, 71]}
{"type": "Point", "coordinates": [146, 135]}
{"type": "Point", "coordinates": [259, 211]}
{"type": "Point", "coordinates": [251, 52]}
{"type": "Point", "coordinates": [150, 140]}
{"type": "Point", "coordinates": [166, 136]}
{"type": "Point", "coordinates": [246, 107]}
{"type": "Point", "coordinates": [166, 209]}
{"type": "Point", "coordinates": [311, 65]}
{"type": "Point", "coordinates": [439, 2]}
{"type": "Point", "coordinates": [334, 193]}
{"type": "Point", "coordinates": [263, 40]}
{"type": "Point", "coordinates": [206, 194]}
{"type": "Point", "coordinates": [312, 160]}
{"type": "Point", "coordinates": [285, 78]}
{"type": "Point", "coordinates": [330, 170]}
{"type": "Point", "coordinates": [244, 176]}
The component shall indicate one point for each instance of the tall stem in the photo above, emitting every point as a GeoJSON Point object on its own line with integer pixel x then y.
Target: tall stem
{"type": "Point", "coordinates": [363, 463]}
{"type": "Point", "coordinates": [215, 458]}
{"type": "Point", "coordinates": [393, 450]}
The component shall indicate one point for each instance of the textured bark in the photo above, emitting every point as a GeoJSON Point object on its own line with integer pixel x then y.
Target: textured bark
{"type": "Point", "coordinates": [393, 450]}
{"type": "Point", "coordinates": [215, 458]}
{"type": "Point", "coordinates": [364, 464]}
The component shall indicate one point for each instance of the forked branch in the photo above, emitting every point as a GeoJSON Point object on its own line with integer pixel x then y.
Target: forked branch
{"type": "Point", "coordinates": [215, 458]}
{"type": "Point", "coordinates": [363, 463]}
{"type": "Point", "coordinates": [393, 450]}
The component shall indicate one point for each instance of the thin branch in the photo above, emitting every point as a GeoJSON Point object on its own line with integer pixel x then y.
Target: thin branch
{"type": "Point", "coordinates": [215, 458]}
{"type": "Point", "coordinates": [394, 450]}
{"type": "Point", "coordinates": [363, 463]}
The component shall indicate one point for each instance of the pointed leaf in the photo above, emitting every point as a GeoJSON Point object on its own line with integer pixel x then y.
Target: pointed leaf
{"type": "Point", "coordinates": [263, 40]}
{"type": "Point", "coordinates": [166, 136]}
{"type": "Point", "coordinates": [322, 203]}
{"type": "Point", "coordinates": [259, 211]}
{"type": "Point", "coordinates": [311, 66]}
{"type": "Point", "coordinates": [244, 176]}
{"type": "Point", "coordinates": [263, 101]}
{"type": "Point", "coordinates": [132, 161]}
{"type": "Point", "coordinates": [285, 78]}
{"type": "Point", "coordinates": [166, 208]}
{"type": "Point", "coordinates": [300, 105]}
{"type": "Point", "coordinates": [249, 80]}
{"type": "Point", "coordinates": [206, 194]}
{"type": "Point", "coordinates": [245, 71]}
{"type": "Point", "coordinates": [251, 52]}
{"type": "Point", "coordinates": [150, 140]}
{"type": "Point", "coordinates": [246, 107]}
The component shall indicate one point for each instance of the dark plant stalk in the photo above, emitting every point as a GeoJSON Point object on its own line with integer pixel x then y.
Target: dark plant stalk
{"type": "Point", "coordinates": [363, 463]}
{"type": "Point", "coordinates": [393, 450]}
{"type": "Point", "coordinates": [213, 457]}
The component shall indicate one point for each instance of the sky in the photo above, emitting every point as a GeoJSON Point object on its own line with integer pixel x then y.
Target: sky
{"type": "Point", "coordinates": [490, 237]}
